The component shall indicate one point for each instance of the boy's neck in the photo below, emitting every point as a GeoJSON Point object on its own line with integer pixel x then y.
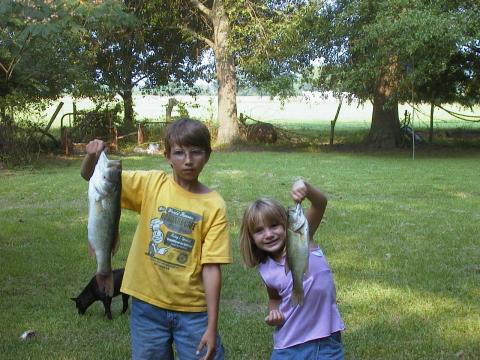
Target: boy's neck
{"type": "Point", "coordinates": [195, 186]}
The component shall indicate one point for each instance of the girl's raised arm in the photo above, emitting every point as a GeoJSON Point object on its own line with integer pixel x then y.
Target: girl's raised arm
{"type": "Point", "coordinates": [301, 190]}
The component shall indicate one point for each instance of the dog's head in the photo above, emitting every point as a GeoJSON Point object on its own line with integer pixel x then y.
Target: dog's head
{"type": "Point", "coordinates": [80, 306]}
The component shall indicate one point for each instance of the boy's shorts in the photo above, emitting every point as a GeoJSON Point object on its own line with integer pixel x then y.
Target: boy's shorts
{"type": "Point", "coordinates": [330, 348]}
{"type": "Point", "coordinates": [154, 331]}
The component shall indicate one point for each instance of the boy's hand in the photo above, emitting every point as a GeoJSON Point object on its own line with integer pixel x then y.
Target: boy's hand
{"type": "Point", "coordinates": [94, 147]}
{"type": "Point", "coordinates": [209, 339]}
{"type": "Point", "coordinates": [299, 191]}
{"type": "Point", "coordinates": [93, 150]}
{"type": "Point", "coordinates": [275, 318]}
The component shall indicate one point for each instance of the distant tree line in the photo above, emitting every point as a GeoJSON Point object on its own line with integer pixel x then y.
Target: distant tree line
{"type": "Point", "coordinates": [385, 51]}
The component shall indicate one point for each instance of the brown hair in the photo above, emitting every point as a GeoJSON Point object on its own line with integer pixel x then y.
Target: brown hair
{"type": "Point", "coordinates": [187, 132]}
{"type": "Point", "coordinates": [261, 211]}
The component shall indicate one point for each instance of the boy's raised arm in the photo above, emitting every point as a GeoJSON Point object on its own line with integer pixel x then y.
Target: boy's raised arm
{"type": "Point", "coordinates": [93, 150]}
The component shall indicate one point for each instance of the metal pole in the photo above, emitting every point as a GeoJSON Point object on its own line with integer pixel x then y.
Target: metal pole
{"type": "Point", "coordinates": [413, 131]}
{"type": "Point", "coordinates": [413, 119]}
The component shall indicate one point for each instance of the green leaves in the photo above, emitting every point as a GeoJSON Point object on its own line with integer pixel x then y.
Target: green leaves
{"type": "Point", "coordinates": [39, 40]}
{"type": "Point", "coordinates": [270, 42]}
{"type": "Point", "coordinates": [413, 38]}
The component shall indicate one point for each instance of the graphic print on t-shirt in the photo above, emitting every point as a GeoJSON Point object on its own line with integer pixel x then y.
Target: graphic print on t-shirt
{"type": "Point", "coordinates": [170, 245]}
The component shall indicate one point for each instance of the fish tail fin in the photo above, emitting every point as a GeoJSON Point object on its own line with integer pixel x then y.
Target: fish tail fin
{"type": "Point", "coordinates": [105, 283]}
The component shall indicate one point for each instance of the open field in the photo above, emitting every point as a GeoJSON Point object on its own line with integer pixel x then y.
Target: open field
{"type": "Point", "coordinates": [401, 237]}
{"type": "Point", "coordinates": [310, 109]}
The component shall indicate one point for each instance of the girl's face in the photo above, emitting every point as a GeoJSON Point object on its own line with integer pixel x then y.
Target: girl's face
{"type": "Point", "coordinates": [270, 238]}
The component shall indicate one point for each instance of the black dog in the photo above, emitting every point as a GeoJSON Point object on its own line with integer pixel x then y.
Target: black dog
{"type": "Point", "coordinates": [92, 293]}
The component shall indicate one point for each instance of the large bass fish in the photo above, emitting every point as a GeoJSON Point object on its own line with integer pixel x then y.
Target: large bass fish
{"type": "Point", "coordinates": [297, 251]}
{"type": "Point", "coordinates": [104, 189]}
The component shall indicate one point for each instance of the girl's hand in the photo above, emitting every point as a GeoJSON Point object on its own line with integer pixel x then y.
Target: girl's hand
{"type": "Point", "coordinates": [275, 318]}
{"type": "Point", "coordinates": [299, 191]}
{"type": "Point", "coordinates": [94, 147]}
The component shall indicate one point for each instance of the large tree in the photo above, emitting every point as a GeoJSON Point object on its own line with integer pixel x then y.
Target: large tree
{"type": "Point", "coordinates": [256, 37]}
{"type": "Point", "coordinates": [145, 53]}
{"type": "Point", "coordinates": [383, 51]}
{"type": "Point", "coordinates": [208, 21]}
{"type": "Point", "coordinates": [44, 52]}
{"type": "Point", "coordinates": [271, 40]}
{"type": "Point", "coordinates": [30, 33]}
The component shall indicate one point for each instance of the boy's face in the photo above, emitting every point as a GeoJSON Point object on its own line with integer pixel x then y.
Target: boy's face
{"type": "Point", "coordinates": [187, 162]}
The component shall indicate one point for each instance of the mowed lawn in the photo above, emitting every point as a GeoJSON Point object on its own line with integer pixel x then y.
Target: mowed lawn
{"type": "Point", "coordinates": [401, 236]}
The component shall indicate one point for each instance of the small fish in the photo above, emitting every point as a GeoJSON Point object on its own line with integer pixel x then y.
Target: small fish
{"type": "Point", "coordinates": [297, 251]}
{"type": "Point", "coordinates": [104, 189]}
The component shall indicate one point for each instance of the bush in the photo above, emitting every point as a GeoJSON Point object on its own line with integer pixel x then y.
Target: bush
{"type": "Point", "coordinates": [19, 142]}
{"type": "Point", "coordinates": [96, 124]}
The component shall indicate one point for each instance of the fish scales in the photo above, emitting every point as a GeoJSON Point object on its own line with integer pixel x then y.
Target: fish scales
{"type": "Point", "coordinates": [104, 190]}
{"type": "Point", "coordinates": [297, 251]}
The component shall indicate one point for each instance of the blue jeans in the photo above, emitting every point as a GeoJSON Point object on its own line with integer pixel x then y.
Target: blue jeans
{"type": "Point", "coordinates": [155, 330]}
{"type": "Point", "coordinates": [328, 348]}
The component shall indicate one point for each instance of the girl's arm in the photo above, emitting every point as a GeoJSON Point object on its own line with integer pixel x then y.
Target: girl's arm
{"type": "Point", "coordinates": [301, 190]}
{"type": "Point", "coordinates": [275, 316]}
{"type": "Point", "coordinates": [93, 150]}
{"type": "Point", "coordinates": [212, 280]}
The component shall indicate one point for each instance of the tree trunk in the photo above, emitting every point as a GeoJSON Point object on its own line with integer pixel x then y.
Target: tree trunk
{"type": "Point", "coordinates": [128, 117]}
{"type": "Point", "coordinates": [334, 121]}
{"type": "Point", "coordinates": [3, 114]}
{"type": "Point", "coordinates": [430, 133]}
{"type": "Point", "coordinates": [385, 128]}
{"type": "Point", "coordinates": [168, 111]}
{"type": "Point", "coordinates": [228, 130]}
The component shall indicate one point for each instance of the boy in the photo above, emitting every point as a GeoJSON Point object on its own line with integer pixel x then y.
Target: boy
{"type": "Point", "coordinates": [173, 267]}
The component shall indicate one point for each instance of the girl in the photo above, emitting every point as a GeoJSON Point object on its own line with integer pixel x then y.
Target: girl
{"type": "Point", "coordinates": [310, 331]}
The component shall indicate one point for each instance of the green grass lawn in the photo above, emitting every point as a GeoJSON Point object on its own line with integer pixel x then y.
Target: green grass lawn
{"type": "Point", "coordinates": [400, 235]}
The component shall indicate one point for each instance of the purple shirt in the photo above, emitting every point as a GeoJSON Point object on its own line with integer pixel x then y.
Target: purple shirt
{"type": "Point", "coordinates": [318, 317]}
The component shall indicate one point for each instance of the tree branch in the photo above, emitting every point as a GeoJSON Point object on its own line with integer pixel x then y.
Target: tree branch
{"type": "Point", "coordinates": [135, 82]}
{"type": "Point", "coordinates": [16, 59]}
{"type": "Point", "coordinates": [201, 7]}
{"type": "Point", "coordinates": [193, 33]}
{"type": "Point", "coordinates": [4, 68]}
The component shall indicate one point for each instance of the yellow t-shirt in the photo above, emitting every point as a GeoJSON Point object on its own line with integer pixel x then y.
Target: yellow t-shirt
{"type": "Point", "coordinates": [177, 232]}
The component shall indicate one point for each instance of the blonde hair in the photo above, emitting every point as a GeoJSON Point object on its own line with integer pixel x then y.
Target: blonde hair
{"type": "Point", "coordinates": [261, 211]}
